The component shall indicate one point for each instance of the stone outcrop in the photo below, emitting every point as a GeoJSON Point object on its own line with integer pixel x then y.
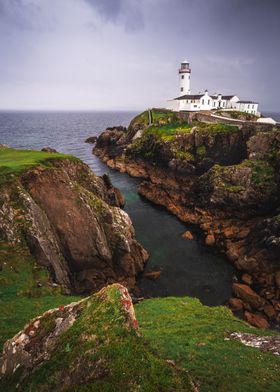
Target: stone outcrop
{"type": "Point", "coordinates": [72, 222]}
{"type": "Point", "coordinates": [44, 337]}
{"type": "Point", "coordinates": [223, 179]}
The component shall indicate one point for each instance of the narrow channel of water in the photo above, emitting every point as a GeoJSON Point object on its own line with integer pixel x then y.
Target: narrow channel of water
{"type": "Point", "coordinates": [188, 267]}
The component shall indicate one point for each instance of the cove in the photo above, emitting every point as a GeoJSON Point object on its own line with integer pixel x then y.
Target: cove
{"type": "Point", "coordinates": [188, 267]}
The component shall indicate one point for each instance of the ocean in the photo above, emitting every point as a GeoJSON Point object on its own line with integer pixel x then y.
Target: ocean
{"type": "Point", "coordinates": [188, 267]}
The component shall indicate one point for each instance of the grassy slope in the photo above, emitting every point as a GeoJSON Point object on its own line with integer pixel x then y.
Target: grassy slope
{"type": "Point", "coordinates": [25, 290]}
{"type": "Point", "coordinates": [17, 161]}
{"type": "Point", "coordinates": [195, 337]}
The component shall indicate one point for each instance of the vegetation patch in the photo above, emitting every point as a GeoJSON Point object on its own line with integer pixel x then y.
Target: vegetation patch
{"type": "Point", "coordinates": [201, 151]}
{"type": "Point", "coordinates": [169, 131]}
{"type": "Point", "coordinates": [159, 117]}
{"type": "Point", "coordinates": [25, 290]}
{"type": "Point", "coordinates": [14, 162]}
{"type": "Point", "coordinates": [196, 338]}
{"type": "Point", "coordinates": [216, 128]}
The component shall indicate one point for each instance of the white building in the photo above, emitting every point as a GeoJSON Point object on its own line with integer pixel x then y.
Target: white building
{"type": "Point", "coordinates": [204, 101]}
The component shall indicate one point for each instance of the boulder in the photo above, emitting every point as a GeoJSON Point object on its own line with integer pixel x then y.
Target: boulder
{"type": "Point", "coordinates": [256, 320]}
{"type": "Point", "coordinates": [187, 235]}
{"type": "Point", "coordinates": [49, 149]}
{"type": "Point", "coordinates": [247, 279]}
{"type": "Point", "coordinates": [210, 240]}
{"type": "Point", "coordinates": [235, 304]}
{"type": "Point", "coordinates": [153, 275]}
{"type": "Point", "coordinates": [248, 295]}
{"type": "Point", "coordinates": [91, 140]}
{"type": "Point", "coordinates": [107, 316]}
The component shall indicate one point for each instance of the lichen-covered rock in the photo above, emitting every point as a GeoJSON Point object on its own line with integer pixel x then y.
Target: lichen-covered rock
{"type": "Point", "coordinates": [66, 346]}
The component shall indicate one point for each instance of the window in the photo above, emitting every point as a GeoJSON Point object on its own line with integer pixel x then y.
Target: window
{"type": "Point", "coordinates": [214, 103]}
{"type": "Point", "coordinates": [195, 106]}
{"type": "Point", "coordinates": [248, 106]}
{"type": "Point", "coordinates": [189, 76]}
{"type": "Point", "coordinates": [208, 101]}
{"type": "Point", "coordinates": [182, 88]}
{"type": "Point", "coordinates": [224, 104]}
{"type": "Point", "coordinates": [202, 102]}
{"type": "Point", "coordinates": [183, 76]}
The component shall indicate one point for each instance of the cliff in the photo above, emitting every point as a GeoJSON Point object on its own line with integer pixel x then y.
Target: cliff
{"type": "Point", "coordinates": [69, 220]}
{"type": "Point", "coordinates": [221, 177]}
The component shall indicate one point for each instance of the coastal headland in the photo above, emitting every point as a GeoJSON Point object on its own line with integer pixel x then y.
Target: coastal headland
{"type": "Point", "coordinates": [221, 176]}
{"type": "Point", "coordinates": [64, 235]}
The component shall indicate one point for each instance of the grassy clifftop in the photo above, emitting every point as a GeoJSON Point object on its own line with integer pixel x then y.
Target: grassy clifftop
{"type": "Point", "coordinates": [16, 162]}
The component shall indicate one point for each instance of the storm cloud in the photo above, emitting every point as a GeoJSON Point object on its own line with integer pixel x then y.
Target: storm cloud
{"type": "Point", "coordinates": [124, 54]}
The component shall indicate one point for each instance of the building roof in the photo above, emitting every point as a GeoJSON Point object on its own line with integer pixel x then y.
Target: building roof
{"type": "Point", "coordinates": [227, 97]}
{"type": "Point", "coordinates": [189, 96]}
{"type": "Point", "coordinates": [246, 102]}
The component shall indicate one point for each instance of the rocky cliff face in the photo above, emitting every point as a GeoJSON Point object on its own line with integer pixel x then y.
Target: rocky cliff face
{"type": "Point", "coordinates": [221, 177]}
{"type": "Point", "coordinates": [72, 223]}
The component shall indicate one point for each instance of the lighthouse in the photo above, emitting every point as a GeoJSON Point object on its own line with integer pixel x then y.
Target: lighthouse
{"type": "Point", "coordinates": [184, 78]}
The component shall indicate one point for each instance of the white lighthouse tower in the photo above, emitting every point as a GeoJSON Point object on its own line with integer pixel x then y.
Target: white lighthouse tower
{"type": "Point", "coordinates": [185, 78]}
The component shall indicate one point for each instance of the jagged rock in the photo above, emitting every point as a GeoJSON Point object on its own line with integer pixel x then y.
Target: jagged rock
{"type": "Point", "coordinates": [73, 225]}
{"type": "Point", "coordinates": [40, 340]}
{"type": "Point", "coordinates": [263, 343]}
{"type": "Point", "coordinates": [48, 149]}
{"type": "Point", "coordinates": [235, 304]}
{"type": "Point", "coordinates": [270, 312]}
{"type": "Point", "coordinates": [248, 295]}
{"type": "Point", "coordinates": [210, 240]}
{"type": "Point", "coordinates": [153, 275]}
{"type": "Point", "coordinates": [247, 279]}
{"type": "Point", "coordinates": [91, 140]}
{"type": "Point", "coordinates": [187, 235]}
{"type": "Point", "coordinates": [256, 320]}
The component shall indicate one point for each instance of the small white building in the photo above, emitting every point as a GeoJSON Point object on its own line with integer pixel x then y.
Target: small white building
{"type": "Point", "coordinates": [204, 101]}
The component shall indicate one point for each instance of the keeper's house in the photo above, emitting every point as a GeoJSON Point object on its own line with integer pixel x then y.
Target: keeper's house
{"type": "Point", "coordinates": [196, 102]}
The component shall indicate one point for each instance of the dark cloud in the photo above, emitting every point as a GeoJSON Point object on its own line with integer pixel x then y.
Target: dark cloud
{"type": "Point", "coordinates": [125, 12]}
{"type": "Point", "coordinates": [21, 15]}
{"type": "Point", "coordinates": [233, 46]}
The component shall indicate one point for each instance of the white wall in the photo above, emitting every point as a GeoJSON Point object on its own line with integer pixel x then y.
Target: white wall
{"type": "Point", "coordinates": [206, 102]}
{"type": "Point", "coordinates": [173, 104]}
{"type": "Point", "coordinates": [184, 83]}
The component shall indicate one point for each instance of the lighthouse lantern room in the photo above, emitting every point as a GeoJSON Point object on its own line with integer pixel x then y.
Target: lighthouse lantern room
{"type": "Point", "coordinates": [185, 78]}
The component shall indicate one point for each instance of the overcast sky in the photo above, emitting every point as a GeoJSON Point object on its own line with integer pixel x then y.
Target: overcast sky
{"type": "Point", "coordinates": [124, 54]}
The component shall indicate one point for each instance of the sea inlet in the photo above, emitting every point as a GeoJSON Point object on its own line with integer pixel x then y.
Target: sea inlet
{"type": "Point", "coordinates": [187, 267]}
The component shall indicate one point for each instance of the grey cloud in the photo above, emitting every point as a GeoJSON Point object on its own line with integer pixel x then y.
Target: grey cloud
{"type": "Point", "coordinates": [125, 12]}
{"type": "Point", "coordinates": [51, 55]}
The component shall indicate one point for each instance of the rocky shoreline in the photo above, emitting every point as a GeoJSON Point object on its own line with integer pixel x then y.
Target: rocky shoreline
{"type": "Point", "coordinates": [222, 179]}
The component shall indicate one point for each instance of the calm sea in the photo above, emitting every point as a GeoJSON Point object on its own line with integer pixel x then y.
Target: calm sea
{"type": "Point", "coordinates": [188, 267]}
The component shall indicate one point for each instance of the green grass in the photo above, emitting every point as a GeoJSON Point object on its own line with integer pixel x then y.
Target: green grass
{"type": "Point", "coordinates": [167, 131]}
{"type": "Point", "coordinates": [21, 298]}
{"type": "Point", "coordinates": [216, 128]}
{"type": "Point", "coordinates": [193, 335]}
{"type": "Point", "coordinates": [15, 162]}
{"type": "Point", "coordinates": [159, 116]}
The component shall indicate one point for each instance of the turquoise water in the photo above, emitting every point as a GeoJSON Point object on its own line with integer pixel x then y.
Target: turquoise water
{"type": "Point", "coordinates": [188, 267]}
